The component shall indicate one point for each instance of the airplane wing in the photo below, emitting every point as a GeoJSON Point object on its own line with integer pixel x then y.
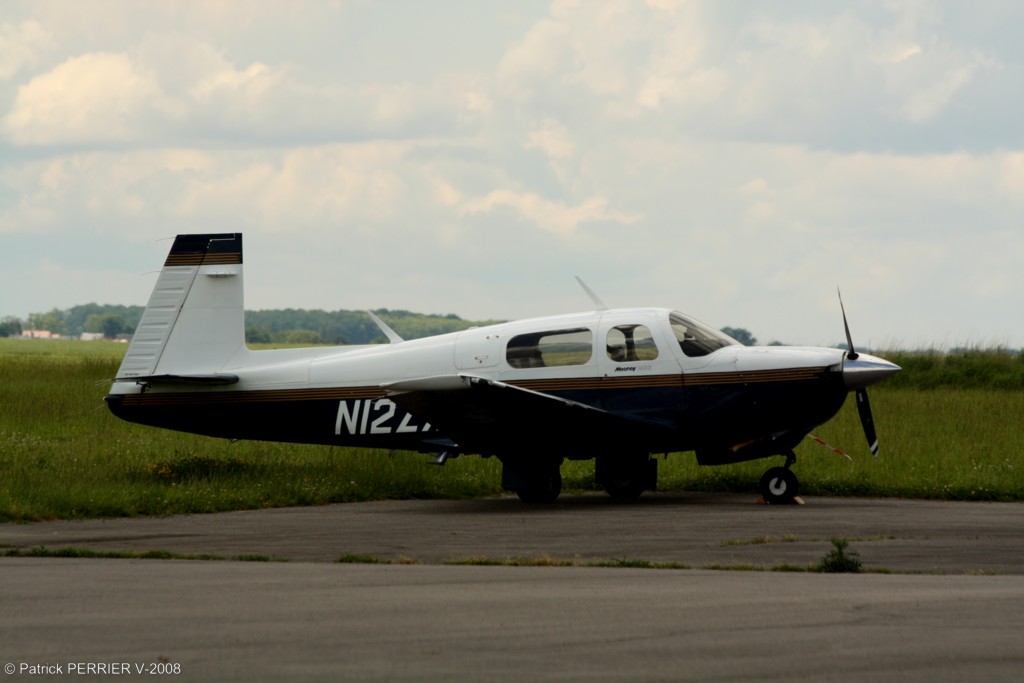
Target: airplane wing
{"type": "Point", "coordinates": [488, 416]}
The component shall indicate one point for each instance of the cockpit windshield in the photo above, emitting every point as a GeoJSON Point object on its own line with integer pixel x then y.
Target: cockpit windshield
{"type": "Point", "coordinates": [697, 339]}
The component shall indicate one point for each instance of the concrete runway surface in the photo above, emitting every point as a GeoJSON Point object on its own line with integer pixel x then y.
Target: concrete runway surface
{"type": "Point", "coordinates": [956, 611]}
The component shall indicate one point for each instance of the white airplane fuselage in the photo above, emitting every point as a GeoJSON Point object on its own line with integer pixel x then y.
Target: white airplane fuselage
{"type": "Point", "coordinates": [599, 384]}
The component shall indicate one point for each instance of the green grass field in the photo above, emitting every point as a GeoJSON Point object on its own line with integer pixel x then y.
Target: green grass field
{"type": "Point", "coordinates": [63, 455]}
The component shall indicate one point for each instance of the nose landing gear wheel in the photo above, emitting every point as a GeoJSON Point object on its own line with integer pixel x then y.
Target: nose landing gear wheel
{"type": "Point", "coordinates": [779, 486]}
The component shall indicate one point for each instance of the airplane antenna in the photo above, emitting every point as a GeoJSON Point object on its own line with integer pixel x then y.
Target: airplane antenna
{"type": "Point", "coordinates": [598, 304]}
{"type": "Point", "coordinates": [388, 332]}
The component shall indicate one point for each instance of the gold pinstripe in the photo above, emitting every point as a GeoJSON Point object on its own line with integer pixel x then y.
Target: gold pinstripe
{"type": "Point", "coordinates": [689, 379]}
{"type": "Point", "coordinates": [273, 395]}
{"type": "Point", "coordinates": [221, 258]}
{"type": "Point", "coordinates": [790, 375]}
{"type": "Point", "coordinates": [540, 385]}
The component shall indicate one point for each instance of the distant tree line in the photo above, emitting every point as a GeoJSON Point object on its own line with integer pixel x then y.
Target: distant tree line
{"type": "Point", "coordinates": [287, 326]}
{"type": "Point", "coordinates": [300, 326]}
{"type": "Point", "coordinates": [742, 335]}
{"type": "Point", "coordinates": [278, 326]}
{"type": "Point", "coordinates": [109, 320]}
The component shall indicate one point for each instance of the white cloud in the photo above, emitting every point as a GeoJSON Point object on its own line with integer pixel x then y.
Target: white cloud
{"type": "Point", "coordinates": [549, 215]}
{"type": "Point", "coordinates": [174, 87]}
{"type": "Point", "coordinates": [929, 101]}
{"type": "Point", "coordinates": [552, 138]}
{"type": "Point", "coordinates": [556, 142]}
{"type": "Point", "coordinates": [537, 59]}
{"type": "Point", "coordinates": [737, 162]}
{"type": "Point", "coordinates": [21, 46]}
{"type": "Point", "coordinates": [306, 189]}
{"type": "Point", "coordinates": [94, 98]}
{"type": "Point", "coordinates": [805, 38]}
{"type": "Point", "coordinates": [897, 53]}
{"type": "Point", "coordinates": [1011, 177]}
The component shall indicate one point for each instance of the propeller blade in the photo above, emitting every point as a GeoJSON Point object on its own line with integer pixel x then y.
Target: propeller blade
{"type": "Point", "coordinates": [866, 420]}
{"type": "Point", "coordinates": [858, 374]}
{"type": "Point", "coordinates": [850, 353]}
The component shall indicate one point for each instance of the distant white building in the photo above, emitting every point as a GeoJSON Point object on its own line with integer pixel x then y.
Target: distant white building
{"type": "Point", "coordinates": [39, 334]}
{"type": "Point", "coordinates": [92, 336]}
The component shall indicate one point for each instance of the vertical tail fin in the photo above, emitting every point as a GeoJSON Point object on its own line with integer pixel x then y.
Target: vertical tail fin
{"type": "Point", "coordinates": [194, 322]}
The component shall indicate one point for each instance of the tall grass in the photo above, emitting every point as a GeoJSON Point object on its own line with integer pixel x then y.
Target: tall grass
{"type": "Point", "coordinates": [63, 455]}
{"type": "Point", "coordinates": [978, 369]}
{"type": "Point", "coordinates": [942, 444]}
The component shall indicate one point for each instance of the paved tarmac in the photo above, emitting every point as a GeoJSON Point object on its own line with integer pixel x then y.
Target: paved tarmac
{"type": "Point", "coordinates": [693, 529]}
{"type": "Point", "coordinates": [313, 619]}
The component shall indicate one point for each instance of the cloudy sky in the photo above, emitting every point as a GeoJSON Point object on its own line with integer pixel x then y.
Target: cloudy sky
{"type": "Point", "coordinates": [736, 160]}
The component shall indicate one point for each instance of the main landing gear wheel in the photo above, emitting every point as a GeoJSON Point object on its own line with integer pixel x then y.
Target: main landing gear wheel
{"type": "Point", "coordinates": [543, 487]}
{"type": "Point", "coordinates": [779, 486]}
{"type": "Point", "coordinates": [626, 478]}
{"type": "Point", "coordinates": [625, 488]}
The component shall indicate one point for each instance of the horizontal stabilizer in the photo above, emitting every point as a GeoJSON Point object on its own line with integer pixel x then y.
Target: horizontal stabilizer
{"type": "Point", "coordinates": [202, 380]}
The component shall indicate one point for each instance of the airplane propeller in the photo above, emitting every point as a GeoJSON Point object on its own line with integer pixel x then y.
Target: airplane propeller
{"type": "Point", "coordinates": [859, 371]}
{"type": "Point", "coordinates": [866, 420]}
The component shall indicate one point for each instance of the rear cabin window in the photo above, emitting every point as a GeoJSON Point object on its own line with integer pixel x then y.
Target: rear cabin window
{"type": "Point", "coordinates": [628, 343]}
{"type": "Point", "coordinates": [550, 349]}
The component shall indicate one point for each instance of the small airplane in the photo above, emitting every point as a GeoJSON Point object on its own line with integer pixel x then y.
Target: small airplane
{"type": "Point", "coordinates": [615, 385]}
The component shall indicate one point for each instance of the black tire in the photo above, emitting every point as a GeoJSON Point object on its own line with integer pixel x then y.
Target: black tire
{"type": "Point", "coordinates": [779, 486]}
{"type": "Point", "coordinates": [626, 478]}
{"type": "Point", "coordinates": [544, 487]}
{"type": "Point", "coordinates": [624, 487]}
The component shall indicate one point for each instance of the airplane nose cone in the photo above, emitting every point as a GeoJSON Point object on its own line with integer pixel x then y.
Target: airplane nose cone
{"type": "Point", "coordinates": [865, 370]}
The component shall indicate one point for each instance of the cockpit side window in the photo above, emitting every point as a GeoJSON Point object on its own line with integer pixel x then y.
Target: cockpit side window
{"type": "Point", "coordinates": [696, 339]}
{"type": "Point", "coordinates": [550, 349]}
{"type": "Point", "coordinates": [627, 343]}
